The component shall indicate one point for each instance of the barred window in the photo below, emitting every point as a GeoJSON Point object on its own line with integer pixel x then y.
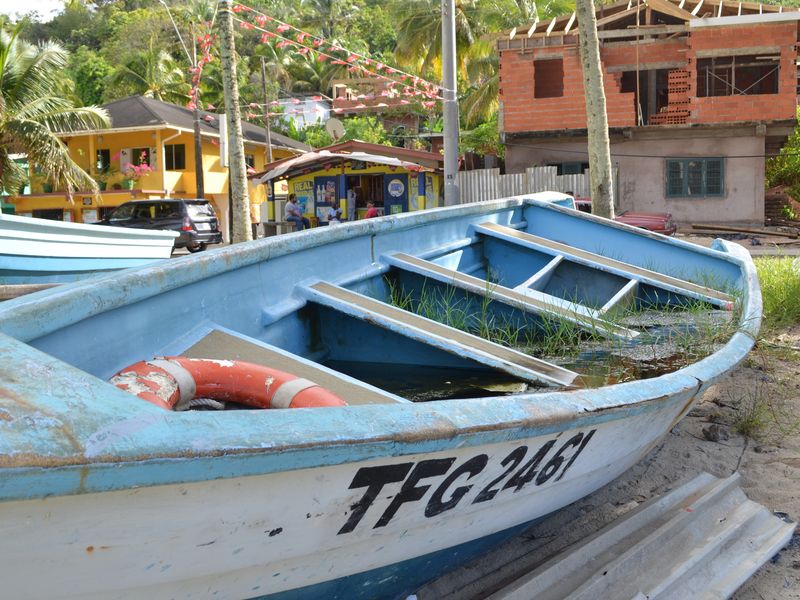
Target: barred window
{"type": "Point", "coordinates": [694, 177]}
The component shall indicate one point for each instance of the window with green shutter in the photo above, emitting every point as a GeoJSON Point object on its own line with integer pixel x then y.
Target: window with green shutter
{"type": "Point", "coordinates": [694, 177]}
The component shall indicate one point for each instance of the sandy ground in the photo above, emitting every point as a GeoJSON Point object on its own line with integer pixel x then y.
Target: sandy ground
{"type": "Point", "coordinates": [762, 398]}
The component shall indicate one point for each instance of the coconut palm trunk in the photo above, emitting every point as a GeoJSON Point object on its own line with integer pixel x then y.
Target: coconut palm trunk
{"type": "Point", "coordinates": [600, 180]}
{"type": "Point", "coordinates": [240, 201]}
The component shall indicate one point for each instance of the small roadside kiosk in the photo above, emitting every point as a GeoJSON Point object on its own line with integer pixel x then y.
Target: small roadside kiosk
{"type": "Point", "coordinates": [352, 174]}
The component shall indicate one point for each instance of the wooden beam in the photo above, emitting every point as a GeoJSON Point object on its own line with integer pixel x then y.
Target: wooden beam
{"type": "Point", "coordinates": [697, 8]}
{"type": "Point", "coordinates": [569, 23]}
{"type": "Point", "coordinates": [668, 8]}
{"type": "Point", "coordinates": [739, 12]}
{"type": "Point", "coordinates": [647, 66]}
{"type": "Point", "coordinates": [717, 52]}
{"type": "Point", "coordinates": [643, 32]}
{"type": "Point", "coordinates": [551, 26]}
{"type": "Point", "coordinates": [619, 16]}
{"type": "Point", "coordinates": [533, 28]}
{"type": "Point", "coordinates": [512, 33]}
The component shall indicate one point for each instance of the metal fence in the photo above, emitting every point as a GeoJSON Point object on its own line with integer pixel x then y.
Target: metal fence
{"type": "Point", "coordinates": [487, 184]}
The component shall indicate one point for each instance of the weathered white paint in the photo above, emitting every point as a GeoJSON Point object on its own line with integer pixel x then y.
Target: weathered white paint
{"type": "Point", "coordinates": [249, 536]}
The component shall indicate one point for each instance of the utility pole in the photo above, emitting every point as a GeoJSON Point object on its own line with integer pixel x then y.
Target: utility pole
{"type": "Point", "coordinates": [451, 193]}
{"type": "Point", "coordinates": [198, 141]}
{"type": "Point", "coordinates": [237, 171]}
{"type": "Point", "coordinates": [266, 110]}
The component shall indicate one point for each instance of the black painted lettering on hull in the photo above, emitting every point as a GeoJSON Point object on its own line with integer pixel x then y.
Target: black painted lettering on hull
{"type": "Point", "coordinates": [443, 499]}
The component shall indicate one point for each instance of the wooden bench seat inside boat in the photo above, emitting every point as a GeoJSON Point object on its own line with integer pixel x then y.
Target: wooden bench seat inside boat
{"type": "Point", "coordinates": [597, 260]}
{"type": "Point", "coordinates": [223, 346]}
{"type": "Point", "coordinates": [439, 335]}
{"type": "Point", "coordinates": [580, 315]}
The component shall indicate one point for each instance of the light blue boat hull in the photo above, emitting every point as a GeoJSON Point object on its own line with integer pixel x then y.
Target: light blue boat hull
{"type": "Point", "coordinates": [123, 499]}
{"type": "Point", "coordinates": [41, 251]}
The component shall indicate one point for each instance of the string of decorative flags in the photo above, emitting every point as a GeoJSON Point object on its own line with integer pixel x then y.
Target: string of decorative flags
{"type": "Point", "coordinates": [399, 87]}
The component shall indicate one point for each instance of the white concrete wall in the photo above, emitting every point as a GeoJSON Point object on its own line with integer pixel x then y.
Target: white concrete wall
{"type": "Point", "coordinates": [642, 174]}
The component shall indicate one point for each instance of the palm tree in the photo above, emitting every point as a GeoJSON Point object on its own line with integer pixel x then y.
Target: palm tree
{"type": "Point", "coordinates": [480, 100]}
{"type": "Point", "coordinates": [419, 33]}
{"type": "Point", "coordinates": [153, 73]}
{"type": "Point", "coordinates": [600, 179]}
{"type": "Point", "coordinates": [32, 112]}
{"type": "Point", "coordinates": [309, 75]}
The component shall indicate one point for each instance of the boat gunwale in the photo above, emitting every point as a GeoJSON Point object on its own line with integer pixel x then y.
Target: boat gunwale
{"type": "Point", "coordinates": [334, 436]}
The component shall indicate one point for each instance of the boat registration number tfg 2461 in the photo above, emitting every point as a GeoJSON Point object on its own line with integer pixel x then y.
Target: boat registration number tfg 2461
{"type": "Point", "coordinates": [521, 467]}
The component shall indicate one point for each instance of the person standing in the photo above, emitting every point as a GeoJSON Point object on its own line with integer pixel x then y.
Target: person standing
{"type": "Point", "coordinates": [352, 201]}
{"type": "Point", "coordinates": [255, 218]}
{"type": "Point", "coordinates": [372, 212]}
{"type": "Point", "coordinates": [292, 213]}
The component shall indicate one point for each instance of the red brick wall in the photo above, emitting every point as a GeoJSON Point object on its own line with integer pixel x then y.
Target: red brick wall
{"type": "Point", "coordinates": [522, 112]}
{"type": "Point", "coordinates": [766, 107]}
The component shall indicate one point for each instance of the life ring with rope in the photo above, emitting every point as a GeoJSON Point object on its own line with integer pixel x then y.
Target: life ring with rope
{"type": "Point", "coordinates": [179, 383]}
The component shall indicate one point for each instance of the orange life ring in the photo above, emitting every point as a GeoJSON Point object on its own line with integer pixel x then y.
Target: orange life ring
{"type": "Point", "coordinates": [173, 382]}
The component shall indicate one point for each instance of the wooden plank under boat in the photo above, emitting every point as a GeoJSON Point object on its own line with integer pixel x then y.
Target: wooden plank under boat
{"type": "Point", "coordinates": [43, 251]}
{"type": "Point", "coordinates": [113, 496]}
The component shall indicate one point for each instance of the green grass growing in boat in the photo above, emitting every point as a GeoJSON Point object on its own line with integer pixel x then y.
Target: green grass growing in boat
{"type": "Point", "coordinates": [698, 331]}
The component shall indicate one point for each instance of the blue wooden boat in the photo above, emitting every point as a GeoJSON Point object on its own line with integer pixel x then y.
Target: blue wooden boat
{"type": "Point", "coordinates": [42, 251]}
{"type": "Point", "coordinates": [112, 496]}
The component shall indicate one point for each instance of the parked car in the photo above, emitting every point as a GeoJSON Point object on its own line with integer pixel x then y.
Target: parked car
{"type": "Point", "coordinates": [657, 222]}
{"type": "Point", "coordinates": [193, 219]}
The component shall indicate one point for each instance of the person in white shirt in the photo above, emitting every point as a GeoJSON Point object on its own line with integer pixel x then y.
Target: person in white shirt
{"type": "Point", "coordinates": [334, 214]}
{"type": "Point", "coordinates": [292, 213]}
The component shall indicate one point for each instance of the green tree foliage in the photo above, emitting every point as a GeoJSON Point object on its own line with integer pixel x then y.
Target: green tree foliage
{"type": "Point", "coordinates": [367, 129]}
{"type": "Point", "coordinates": [153, 73]}
{"type": "Point", "coordinates": [484, 139]}
{"type": "Point", "coordinates": [123, 47]}
{"type": "Point", "coordinates": [32, 109]}
{"type": "Point", "coordinates": [90, 72]}
{"type": "Point", "coordinates": [317, 137]}
{"type": "Point", "coordinates": [784, 169]}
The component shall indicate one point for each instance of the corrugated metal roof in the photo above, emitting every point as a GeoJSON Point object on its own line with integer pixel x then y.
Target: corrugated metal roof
{"type": "Point", "coordinates": [701, 540]}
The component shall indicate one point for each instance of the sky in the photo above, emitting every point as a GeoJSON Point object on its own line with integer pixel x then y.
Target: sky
{"type": "Point", "coordinates": [46, 8]}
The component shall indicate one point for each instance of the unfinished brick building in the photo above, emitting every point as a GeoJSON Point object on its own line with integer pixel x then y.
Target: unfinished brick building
{"type": "Point", "coordinates": [698, 92]}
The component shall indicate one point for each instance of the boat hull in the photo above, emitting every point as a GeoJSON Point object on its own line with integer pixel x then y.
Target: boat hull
{"type": "Point", "coordinates": [310, 529]}
{"type": "Point", "coordinates": [116, 498]}
{"type": "Point", "coordinates": [45, 251]}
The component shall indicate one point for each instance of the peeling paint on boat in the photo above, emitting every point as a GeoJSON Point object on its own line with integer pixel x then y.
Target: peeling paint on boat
{"type": "Point", "coordinates": [184, 504]}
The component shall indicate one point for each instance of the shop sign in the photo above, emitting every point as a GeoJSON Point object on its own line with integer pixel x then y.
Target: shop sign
{"type": "Point", "coordinates": [396, 188]}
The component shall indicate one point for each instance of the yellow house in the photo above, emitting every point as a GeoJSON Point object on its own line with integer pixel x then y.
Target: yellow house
{"type": "Point", "coordinates": [154, 140]}
{"type": "Point", "coordinates": [354, 174]}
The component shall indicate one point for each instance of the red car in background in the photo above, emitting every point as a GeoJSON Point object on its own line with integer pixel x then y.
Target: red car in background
{"type": "Point", "coordinates": [657, 222]}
